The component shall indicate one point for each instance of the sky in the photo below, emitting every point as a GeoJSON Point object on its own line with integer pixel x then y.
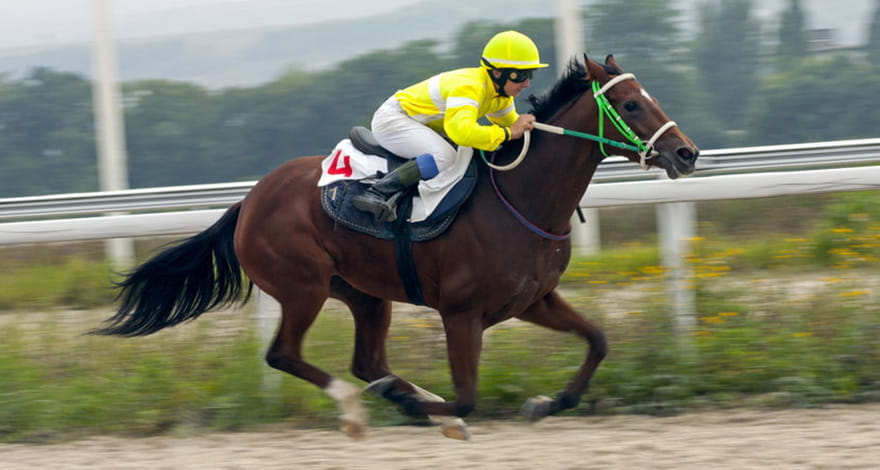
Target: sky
{"type": "Point", "coordinates": [25, 23]}
{"type": "Point", "coordinates": [29, 23]}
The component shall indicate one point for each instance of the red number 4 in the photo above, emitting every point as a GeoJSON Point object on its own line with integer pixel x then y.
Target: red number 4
{"type": "Point", "coordinates": [345, 169]}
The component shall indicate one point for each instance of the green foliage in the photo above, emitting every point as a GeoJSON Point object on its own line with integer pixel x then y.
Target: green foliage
{"type": "Point", "coordinates": [75, 282]}
{"type": "Point", "coordinates": [849, 235]}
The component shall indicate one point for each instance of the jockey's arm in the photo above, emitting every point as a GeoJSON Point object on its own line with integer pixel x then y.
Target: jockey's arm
{"type": "Point", "coordinates": [462, 127]}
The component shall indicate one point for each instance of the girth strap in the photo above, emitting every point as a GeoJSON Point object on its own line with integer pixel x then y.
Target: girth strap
{"type": "Point", "coordinates": [406, 266]}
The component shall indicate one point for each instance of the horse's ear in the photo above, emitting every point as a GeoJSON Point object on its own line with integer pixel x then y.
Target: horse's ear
{"type": "Point", "coordinates": [590, 75]}
{"type": "Point", "coordinates": [610, 61]}
{"type": "Point", "coordinates": [594, 70]}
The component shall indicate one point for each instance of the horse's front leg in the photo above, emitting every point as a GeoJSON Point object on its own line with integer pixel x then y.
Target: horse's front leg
{"type": "Point", "coordinates": [464, 335]}
{"type": "Point", "coordinates": [372, 318]}
{"type": "Point", "coordinates": [555, 313]}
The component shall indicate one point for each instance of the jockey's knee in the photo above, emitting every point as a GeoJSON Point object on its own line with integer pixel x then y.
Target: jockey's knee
{"type": "Point", "coordinates": [427, 166]}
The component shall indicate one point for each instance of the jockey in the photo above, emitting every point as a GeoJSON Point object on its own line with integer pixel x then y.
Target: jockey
{"type": "Point", "coordinates": [416, 122]}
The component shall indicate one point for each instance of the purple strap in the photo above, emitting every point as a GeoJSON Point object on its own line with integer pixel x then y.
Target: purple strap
{"type": "Point", "coordinates": [521, 218]}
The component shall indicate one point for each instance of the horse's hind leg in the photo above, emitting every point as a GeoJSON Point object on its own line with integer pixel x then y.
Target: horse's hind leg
{"type": "Point", "coordinates": [372, 318]}
{"type": "Point", "coordinates": [555, 313]}
{"type": "Point", "coordinates": [297, 315]}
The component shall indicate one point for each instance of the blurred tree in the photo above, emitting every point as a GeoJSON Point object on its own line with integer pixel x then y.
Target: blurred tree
{"type": "Point", "coordinates": [792, 36]}
{"type": "Point", "coordinates": [46, 135]}
{"type": "Point", "coordinates": [469, 42]}
{"type": "Point", "coordinates": [873, 46]}
{"type": "Point", "coordinates": [642, 33]}
{"type": "Point", "coordinates": [727, 54]}
{"type": "Point", "coordinates": [645, 38]}
{"type": "Point", "coordinates": [305, 113]}
{"type": "Point", "coordinates": [815, 101]}
{"type": "Point", "coordinates": [163, 121]}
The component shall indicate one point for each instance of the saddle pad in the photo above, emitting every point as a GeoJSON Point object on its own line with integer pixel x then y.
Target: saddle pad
{"type": "Point", "coordinates": [336, 201]}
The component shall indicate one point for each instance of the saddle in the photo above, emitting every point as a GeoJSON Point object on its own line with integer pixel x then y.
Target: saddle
{"type": "Point", "coordinates": [336, 200]}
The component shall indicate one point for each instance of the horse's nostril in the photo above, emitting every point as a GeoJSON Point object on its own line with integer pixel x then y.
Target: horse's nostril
{"type": "Point", "coordinates": [687, 153]}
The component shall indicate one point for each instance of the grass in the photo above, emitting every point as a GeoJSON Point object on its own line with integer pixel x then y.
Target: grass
{"type": "Point", "coordinates": [781, 321]}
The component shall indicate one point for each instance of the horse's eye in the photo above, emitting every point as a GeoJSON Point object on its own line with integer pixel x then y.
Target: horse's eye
{"type": "Point", "coordinates": [630, 106]}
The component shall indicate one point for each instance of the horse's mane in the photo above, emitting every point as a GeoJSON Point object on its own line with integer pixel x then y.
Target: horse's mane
{"type": "Point", "coordinates": [572, 84]}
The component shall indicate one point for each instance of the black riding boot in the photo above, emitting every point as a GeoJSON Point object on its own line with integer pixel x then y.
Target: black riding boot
{"type": "Point", "coordinates": [381, 198]}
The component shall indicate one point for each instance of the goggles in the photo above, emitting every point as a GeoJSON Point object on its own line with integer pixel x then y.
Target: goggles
{"type": "Point", "coordinates": [519, 76]}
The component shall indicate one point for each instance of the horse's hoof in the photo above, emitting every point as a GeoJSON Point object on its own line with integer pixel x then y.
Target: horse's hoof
{"type": "Point", "coordinates": [458, 431]}
{"type": "Point", "coordinates": [536, 408]}
{"type": "Point", "coordinates": [353, 430]}
{"type": "Point", "coordinates": [381, 386]}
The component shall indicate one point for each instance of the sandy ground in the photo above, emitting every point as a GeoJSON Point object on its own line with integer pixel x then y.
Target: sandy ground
{"type": "Point", "coordinates": [839, 437]}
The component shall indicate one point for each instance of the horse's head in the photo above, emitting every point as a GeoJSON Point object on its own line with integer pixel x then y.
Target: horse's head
{"type": "Point", "coordinates": [662, 142]}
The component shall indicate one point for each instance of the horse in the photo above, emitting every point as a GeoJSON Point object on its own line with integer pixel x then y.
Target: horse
{"type": "Point", "coordinates": [501, 258]}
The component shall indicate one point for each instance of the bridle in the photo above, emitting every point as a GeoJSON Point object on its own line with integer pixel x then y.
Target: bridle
{"type": "Point", "coordinates": [644, 149]}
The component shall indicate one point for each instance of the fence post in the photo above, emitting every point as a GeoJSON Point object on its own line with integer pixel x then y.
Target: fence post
{"type": "Point", "coordinates": [676, 222]}
{"type": "Point", "coordinates": [585, 238]}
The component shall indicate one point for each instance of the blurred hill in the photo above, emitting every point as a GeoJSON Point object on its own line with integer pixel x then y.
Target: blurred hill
{"type": "Point", "coordinates": [232, 56]}
{"type": "Point", "coordinates": [249, 56]}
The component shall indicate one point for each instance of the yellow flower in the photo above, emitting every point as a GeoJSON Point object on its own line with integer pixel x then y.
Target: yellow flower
{"type": "Point", "coordinates": [855, 293]}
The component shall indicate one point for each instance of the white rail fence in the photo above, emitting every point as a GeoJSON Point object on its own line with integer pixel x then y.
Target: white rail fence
{"type": "Point", "coordinates": [755, 172]}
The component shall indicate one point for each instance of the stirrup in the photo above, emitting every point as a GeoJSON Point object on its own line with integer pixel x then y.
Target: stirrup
{"type": "Point", "coordinates": [384, 210]}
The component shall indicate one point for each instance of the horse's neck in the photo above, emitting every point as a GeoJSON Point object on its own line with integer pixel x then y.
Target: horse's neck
{"type": "Point", "coordinates": [549, 184]}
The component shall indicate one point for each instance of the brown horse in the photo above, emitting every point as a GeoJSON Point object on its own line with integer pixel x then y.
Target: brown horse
{"type": "Point", "coordinates": [485, 269]}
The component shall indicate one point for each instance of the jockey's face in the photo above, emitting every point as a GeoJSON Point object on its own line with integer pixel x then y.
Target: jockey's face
{"type": "Point", "coordinates": [512, 88]}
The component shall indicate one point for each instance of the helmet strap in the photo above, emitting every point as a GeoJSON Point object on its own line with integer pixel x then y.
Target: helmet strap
{"type": "Point", "coordinates": [500, 80]}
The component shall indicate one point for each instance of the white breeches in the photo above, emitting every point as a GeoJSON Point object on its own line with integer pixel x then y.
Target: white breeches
{"type": "Point", "coordinates": [404, 136]}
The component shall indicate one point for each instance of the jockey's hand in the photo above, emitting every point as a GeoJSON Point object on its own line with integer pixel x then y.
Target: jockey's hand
{"type": "Point", "coordinates": [525, 122]}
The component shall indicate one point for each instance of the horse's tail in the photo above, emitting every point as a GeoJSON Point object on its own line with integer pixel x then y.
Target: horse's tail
{"type": "Point", "coordinates": [180, 283]}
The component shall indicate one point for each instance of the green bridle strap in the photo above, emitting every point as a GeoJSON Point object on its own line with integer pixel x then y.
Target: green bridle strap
{"type": "Point", "coordinates": [606, 110]}
{"type": "Point", "coordinates": [600, 139]}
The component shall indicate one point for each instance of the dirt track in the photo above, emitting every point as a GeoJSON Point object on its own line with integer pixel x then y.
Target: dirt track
{"type": "Point", "coordinates": [832, 438]}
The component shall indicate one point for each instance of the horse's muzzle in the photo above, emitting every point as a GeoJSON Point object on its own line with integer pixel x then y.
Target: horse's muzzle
{"type": "Point", "coordinates": [682, 162]}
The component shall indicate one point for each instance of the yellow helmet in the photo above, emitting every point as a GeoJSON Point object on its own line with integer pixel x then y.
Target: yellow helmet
{"type": "Point", "coordinates": [511, 50]}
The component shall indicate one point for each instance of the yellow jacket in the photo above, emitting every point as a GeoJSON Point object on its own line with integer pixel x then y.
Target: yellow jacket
{"type": "Point", "coordinates": [451, 102]}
